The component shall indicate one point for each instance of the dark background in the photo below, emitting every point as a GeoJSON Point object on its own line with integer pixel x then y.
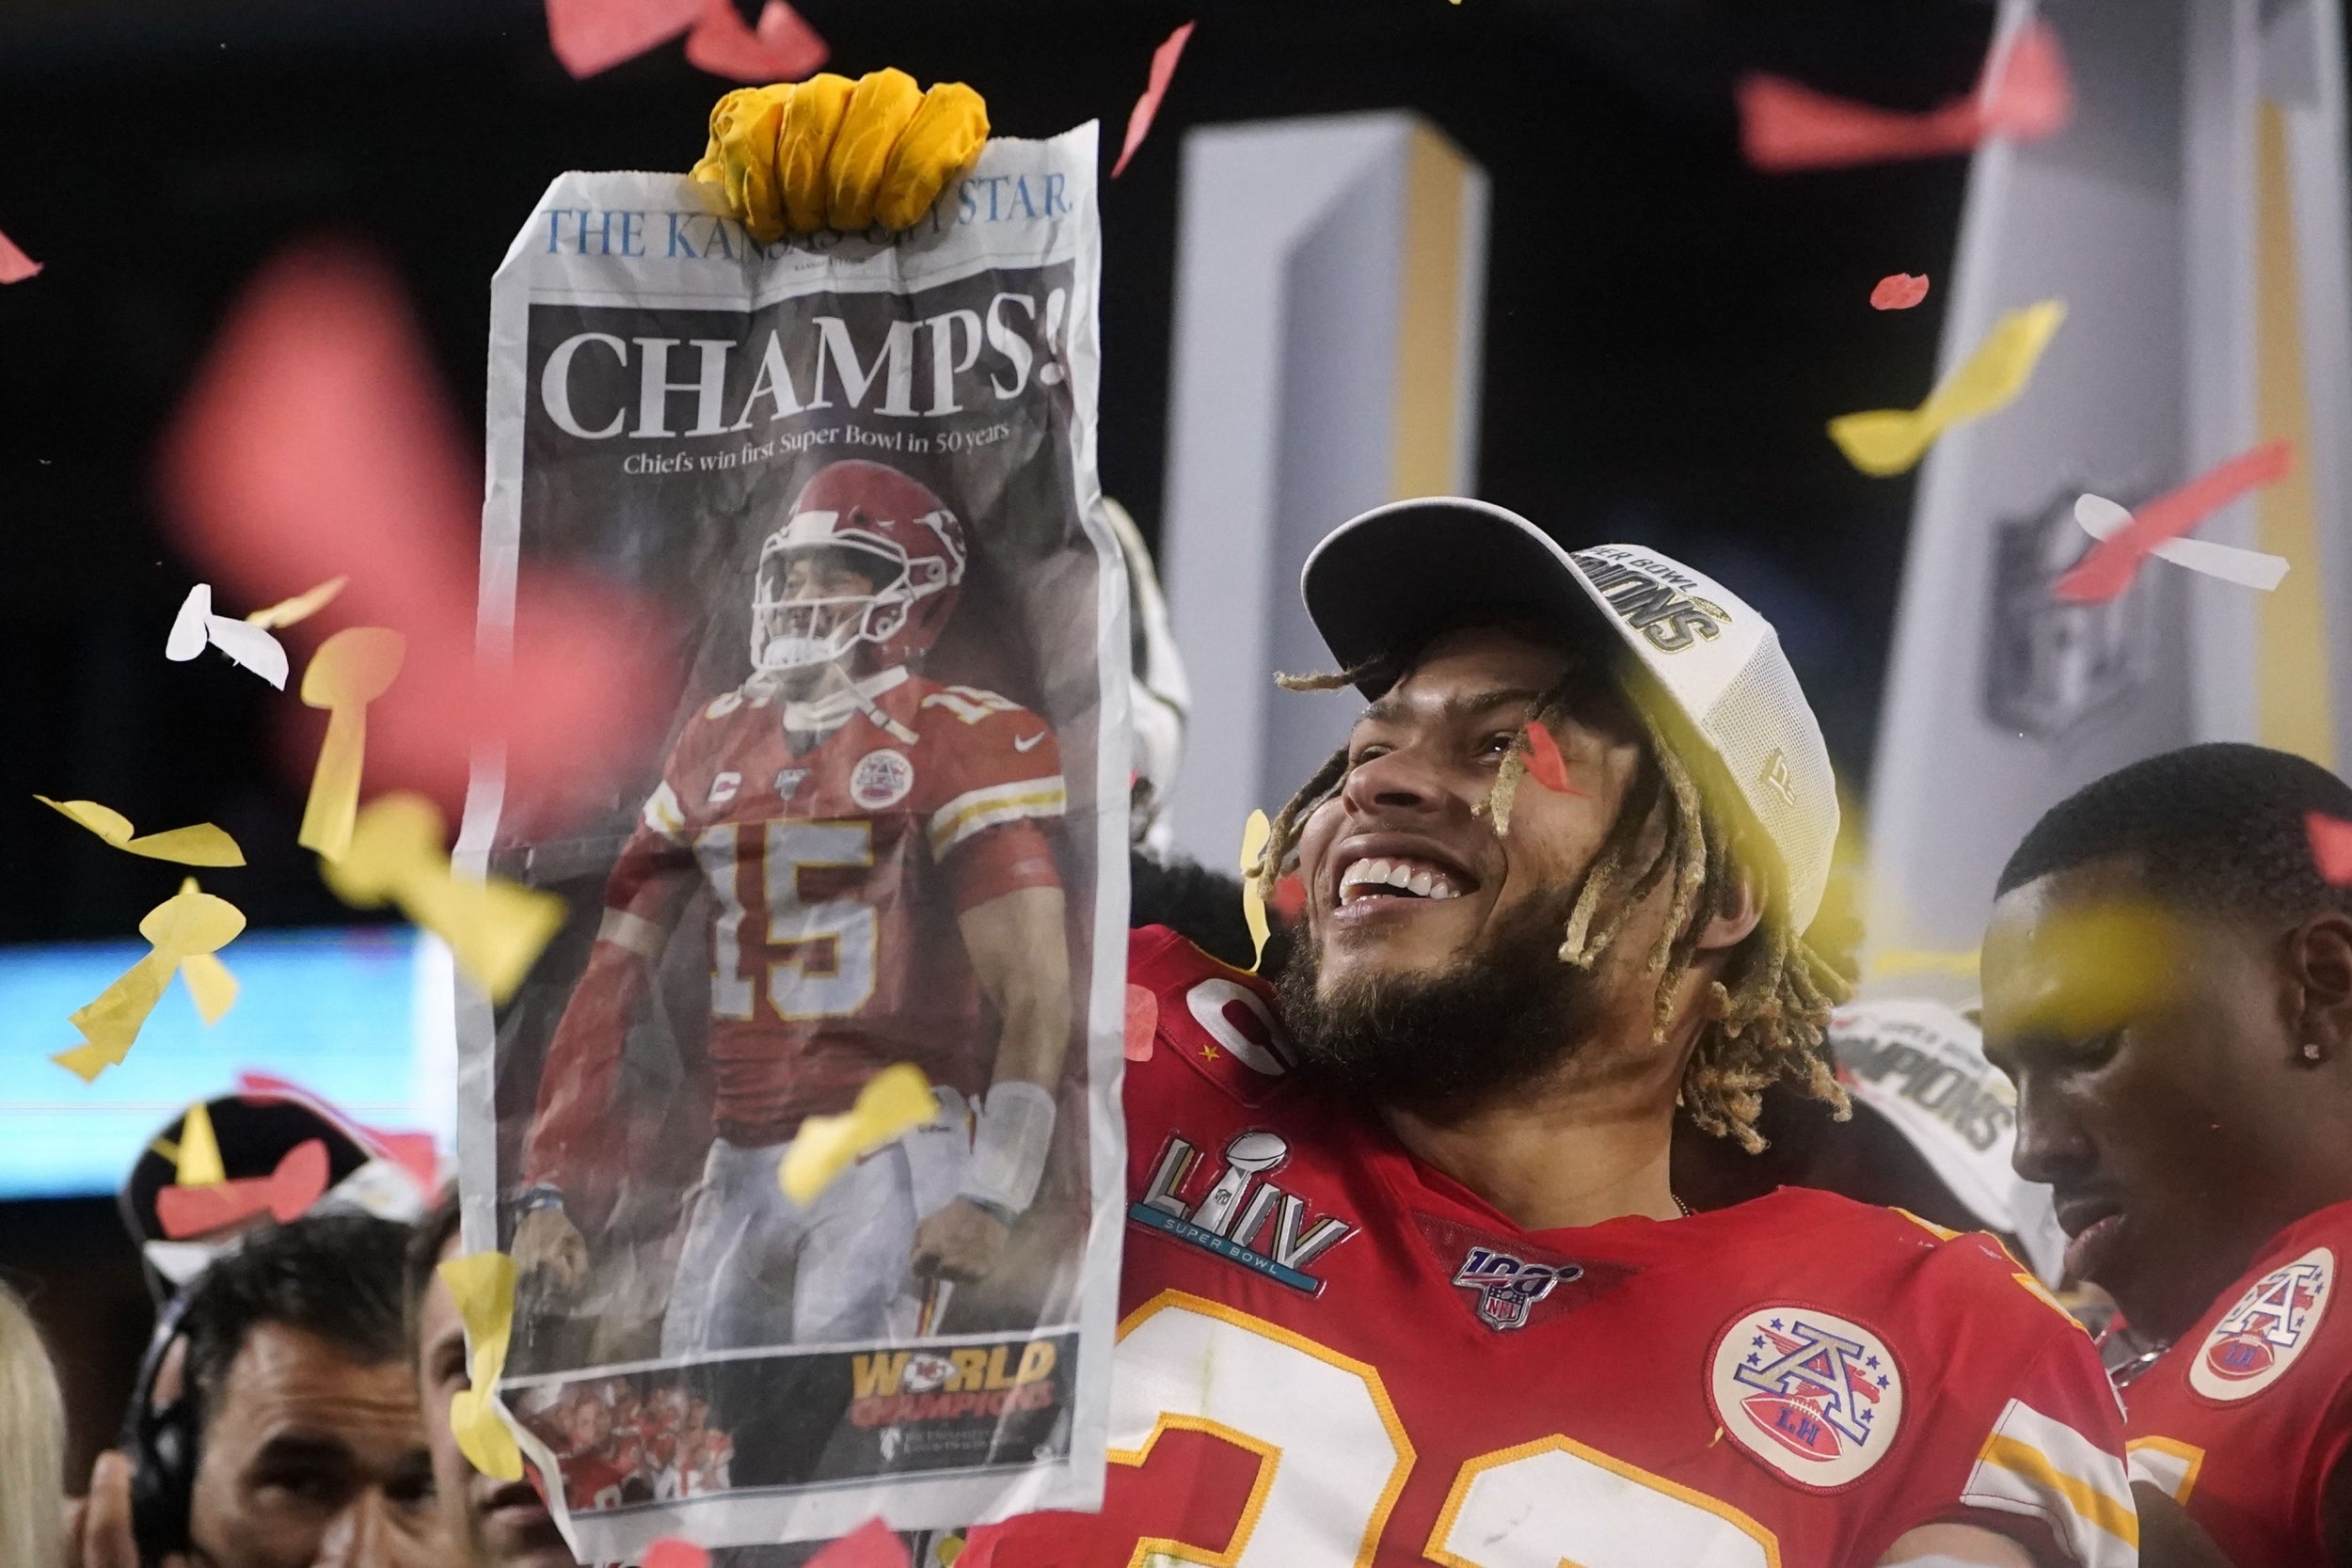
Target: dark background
{"type": "Point", "coordinates": [1667, 332]}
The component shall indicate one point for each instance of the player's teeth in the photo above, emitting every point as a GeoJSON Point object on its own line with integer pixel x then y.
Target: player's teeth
{"type": "Point", "coordinates": [1400, 874]}
{"type": "Point", "coordinates": [1440, 888]}
{"type": "Point", "coordinates": [1421, 883]}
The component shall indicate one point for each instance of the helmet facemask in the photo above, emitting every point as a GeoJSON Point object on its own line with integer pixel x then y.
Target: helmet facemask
{"type": "Point", "coordinates": [797, 625]}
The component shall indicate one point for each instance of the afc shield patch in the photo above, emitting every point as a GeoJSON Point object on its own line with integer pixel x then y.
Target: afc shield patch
{"type": "Point", "coordinates": [881, 779]}
{"type": "Point", "coordinates": [2258, 1338]}
{"type": "Point", "coordinates": [1817, 1397]}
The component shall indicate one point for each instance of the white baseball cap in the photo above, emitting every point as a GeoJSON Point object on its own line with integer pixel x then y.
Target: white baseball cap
{"type": "Point", "coordinates": [1384, 581]}
{"type": "Point", "coordinates": [1922, 1068]}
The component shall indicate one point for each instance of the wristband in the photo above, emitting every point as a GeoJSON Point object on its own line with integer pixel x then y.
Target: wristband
{"type": "Point", "coordinates": [998, 1212]}
{"type": "Point", "coordinates": [538, 1195]}
{"type": "Point", "coordinates": [1016, 1128]}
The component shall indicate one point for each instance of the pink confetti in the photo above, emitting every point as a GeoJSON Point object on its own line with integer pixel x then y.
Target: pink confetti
{"type": "Point", "coordinates": [1139, 118]}
{"type": "Point", "coordinates": [589, 36]}
{"type": "Point", "coordinates": [670, 1552]}
{"type": "Point", "coordinates": [2331, 846]}
{"type": "Point", "coordinates": [785, 49]}
{"type": "Point", "coordinates": [2112, 564]}
{"type": "Point", "coordinates": [1899, 290]}
{"type": "Point", "coordinates": [870, 1545]}
{"type": "Point", "coordinates": [1143, 1023]}
{"type": "Point", "coordinates": [1784, 125]}
{"type": "Point", "coordinates": [314, 444]}
{"type": "Point", "coordinates": [287, 1192]}
{"type": "Point", "coordinates": [15, 266]}
{"type": "Point", "coordinates": [1544, 762]}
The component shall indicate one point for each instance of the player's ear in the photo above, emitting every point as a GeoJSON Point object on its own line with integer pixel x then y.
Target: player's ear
{"type": "Point", "coordinates": [1729, 925]}
{"type": "Point", "coordinates": [2319, 962]}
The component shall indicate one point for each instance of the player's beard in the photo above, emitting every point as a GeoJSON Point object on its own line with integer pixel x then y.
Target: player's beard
{"type": "Point", "coordinates": [1496, 1021]}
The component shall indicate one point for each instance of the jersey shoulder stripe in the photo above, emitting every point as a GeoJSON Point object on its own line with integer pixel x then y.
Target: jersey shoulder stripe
{"type": "Point", "coordinates": [992, 805]}
{"type": "Point", "coordinates": [2036, 1465]}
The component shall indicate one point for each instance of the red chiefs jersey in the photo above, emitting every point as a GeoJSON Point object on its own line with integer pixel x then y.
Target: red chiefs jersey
{"type": "Point", "coordinates": [837, 872]}
{"type": "Point", "coordinates": [1331, 1355]}
{"type": "Point", "coordinates": [2245, 1418]}
{"type": "Point", "coordinates": [593, 1481]}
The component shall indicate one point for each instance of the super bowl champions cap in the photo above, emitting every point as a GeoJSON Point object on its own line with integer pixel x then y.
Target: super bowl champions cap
{"type": "Point", "coordinates": [1389, 579]}
{"type": "Point", "coordinates": [1922, 1068]}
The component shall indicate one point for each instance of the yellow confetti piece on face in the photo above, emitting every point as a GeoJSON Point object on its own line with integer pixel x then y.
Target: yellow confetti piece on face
{"type": "Point", "coordinates": [352, 669]}
{"type": "Point", "coordinates": [1885, 441]}
{"type": "Point", "coordinates": [200, 845]}
{"type": "Point", "coordinates": [894, 1099]}
{"type": "Point", "coordinates": [1253, 836]}
{"type": "Point", "coordinates": [2081, 972]}
{"type": "Point", "coordinates": [495, 929]}
{"type": "Point", "coordinates": [285, 613]}
{"type": "Point", "coordinates": [189, 925]}
{"type": "Point", "coordinates": [482, 1286]}
{"type": "Point", "coordinates": [199, 1156]}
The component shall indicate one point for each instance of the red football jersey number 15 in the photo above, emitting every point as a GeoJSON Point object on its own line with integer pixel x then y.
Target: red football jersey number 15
{"type": "Point", "coordinates": [818, 956]}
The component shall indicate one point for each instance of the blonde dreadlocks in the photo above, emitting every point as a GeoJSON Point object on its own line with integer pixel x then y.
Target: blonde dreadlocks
{"type": "Point", "coordinates": [1768, 1015]}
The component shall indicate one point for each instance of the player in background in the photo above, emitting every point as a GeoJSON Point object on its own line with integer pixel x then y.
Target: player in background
{"type": "Point", "coordinates": [1932, 1130]}
{"type": "Point", "coordinates": [875, 845]}
{"type": "Point", "coordinates": [1409, 1283]}
{"type": "Point", "coordinates": [2168, 979]}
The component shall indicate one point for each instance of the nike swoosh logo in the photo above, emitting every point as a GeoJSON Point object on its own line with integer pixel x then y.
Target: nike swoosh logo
{"type": "Point", "coordinates": [1020, 745]}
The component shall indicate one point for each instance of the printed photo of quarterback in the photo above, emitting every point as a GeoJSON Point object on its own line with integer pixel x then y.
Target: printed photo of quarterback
{"type": "Point", "coordinates": [878, 852]}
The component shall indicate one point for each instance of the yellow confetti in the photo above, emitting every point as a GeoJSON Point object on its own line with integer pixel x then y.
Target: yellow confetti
{"type": "Point", "coordinates": [1885, 441]}
{"type": "Point", "coordinates": [199, 1155]}
{"type": "Point", "coordinates": [352, 669]}
{"type": "Point", "coordinates": [494, 928]}
{"type": "Point", "coordinates": [1919, 961]}
{"type": "Point", "coordinates": [188, 924]}
{"type": "Point", "coordinates": [894, 1099]}
{"type": "Point", "coordinates": [482, 1286]}
{"type": "Point", "coordinates": [1253, 836]}
{"type": "Point", "coordinates": [200, 845]}
{"type": "Point", "coordinates": [2080, 973]}
{"type": "Point", "coordinates": [285, 613]}
{"type": "Point", "coordinates": [210, 986]}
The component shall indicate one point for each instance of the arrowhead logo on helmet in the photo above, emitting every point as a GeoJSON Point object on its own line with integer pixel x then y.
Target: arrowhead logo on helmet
{"type": "Point", "coordinates": [857, 521]}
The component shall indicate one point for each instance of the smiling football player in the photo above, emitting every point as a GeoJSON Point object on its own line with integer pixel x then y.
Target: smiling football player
{"type": "Point", "coordinates": [1406, 1279]}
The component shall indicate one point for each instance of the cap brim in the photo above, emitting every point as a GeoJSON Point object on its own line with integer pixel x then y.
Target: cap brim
{"type": "Point", "coordinates": [1384, 584]}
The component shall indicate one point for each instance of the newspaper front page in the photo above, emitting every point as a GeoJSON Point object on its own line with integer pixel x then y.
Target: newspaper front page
{"type": "Point", "coordinates": [885, 827]}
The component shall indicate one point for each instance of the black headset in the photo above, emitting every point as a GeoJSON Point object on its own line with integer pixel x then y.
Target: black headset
{"type": "Point", "coordinates": [162, 1446]}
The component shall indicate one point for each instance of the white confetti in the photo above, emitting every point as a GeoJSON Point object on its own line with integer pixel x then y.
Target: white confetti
{"type": "Point", "coordinates": [2101, 517]}
{"type": "Point", "coordinates": [247, 645]}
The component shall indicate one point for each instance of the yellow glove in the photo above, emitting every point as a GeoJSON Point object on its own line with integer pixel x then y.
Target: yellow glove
{"type": "Point", "coordinates": [829, 152]}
